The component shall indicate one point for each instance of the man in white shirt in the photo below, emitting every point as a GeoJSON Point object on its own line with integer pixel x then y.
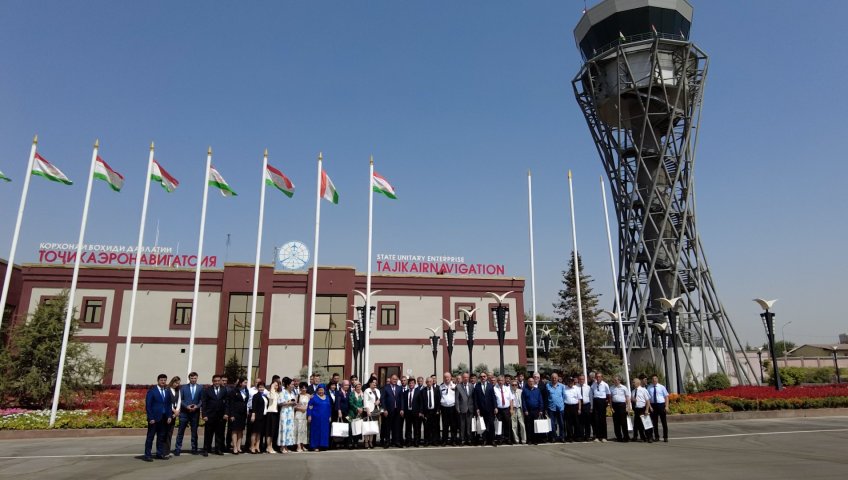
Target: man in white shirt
{"type": "Point", "coordinates": [505, 405]}
{"type": "Point", "coordinates": [447, 391]}
{"type": "Point", "coordinates": [585, 417]}
{"type": "Point", "coordinates": [600, 399]}
{"type": "Point", "coordinates": [641, 404]}
{"type": "Point", "coordinates": [659, 397]}
{"type": "Point", "coordinates": [573, 406]}
{"type": "Point", "coordinates": [620, 397]}
{"type": "Point", "coordinates": [519, 430]}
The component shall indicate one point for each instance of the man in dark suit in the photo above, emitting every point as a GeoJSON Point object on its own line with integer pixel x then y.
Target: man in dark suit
{"type": "Point", "coordinates": [213, 409]}
{"type": "Point", "coordinates": [484, 399]}
{"type": "Point", "coordinates": [391, 401]}
{"type": "Point", "coordinates": [157, 403]}
{"type": "Point", "coordinates": [410, 411]}
{"type": "Point", "coordinates": [342, 406]}
{"type": "Point", "coordinates": [430, 399]}
{"type": "Point", "coordinates": [190, 395]}
{"type": "Point", "coordinates": [465, 409]}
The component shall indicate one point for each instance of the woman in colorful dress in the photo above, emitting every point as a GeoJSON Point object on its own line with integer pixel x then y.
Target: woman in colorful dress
{"type": "Point", "coordinates": [319, 415]}
{"type": "Point", "coordinates": [286, 403]}
{"type": "Point", "coordinates": [300, 422]}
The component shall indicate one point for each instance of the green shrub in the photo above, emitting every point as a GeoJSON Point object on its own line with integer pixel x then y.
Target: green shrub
{"type": "Point", "coordinates": [716, 381]}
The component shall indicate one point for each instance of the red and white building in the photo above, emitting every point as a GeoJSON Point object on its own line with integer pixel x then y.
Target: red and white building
{"type": "Point", "coordinates": [406, 306]}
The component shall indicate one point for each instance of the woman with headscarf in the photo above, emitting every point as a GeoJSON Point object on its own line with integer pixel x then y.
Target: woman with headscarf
{"type": "Point", "coordinates": [318, 415]}
{"type": "Point", "coordinates": [286, 403]}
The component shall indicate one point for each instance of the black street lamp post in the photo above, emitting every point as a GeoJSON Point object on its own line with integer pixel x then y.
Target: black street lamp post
{"type": "Point", "coordinates": [660, 328]}
{"type": "Point", "coordinates": [768, 322]}
{"type": "Point", "coordinates": [501, 312]}
{"type": "Point", "coordinates": [359, 344]}
{"type": "Point", "coordinates": [434, 342]}
{"type": "Point", "coordinates": [834, 349]}
{"type": "Point", "coordinates": [670, 307]}
{"type": "Point", "coordinates": [450, 334]}
{"type": "Point", "coordinates": [470, 325]}
{"type": "Point", "coordinates": [760, 356]}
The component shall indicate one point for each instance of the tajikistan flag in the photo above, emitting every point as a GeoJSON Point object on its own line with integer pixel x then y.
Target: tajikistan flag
{"type": "Point", "coordinates": [216, 180]}
{"type": "Point", "coordinates": [328, 190]}
{"type": "Point", "coordinates": [381, 185]}
{"type": "Point", "coordinates": [43, 168]}
{"type": "Point", "coordinates": [275, 178]}
{"type": "Point", "coordinates": [164, 178]}
{"type": "Point", "coordinates": [103, 171]}
{"type": "Point", "coordinates": [4, 177]}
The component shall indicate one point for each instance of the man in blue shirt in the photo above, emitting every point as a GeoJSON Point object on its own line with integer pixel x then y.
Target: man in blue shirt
{"type": "Point", "coordinates": [556, 407]}
{"type": "Point", "coordinates": [533, 408]}
{"type": "Point", "coordinates": [659, 399]}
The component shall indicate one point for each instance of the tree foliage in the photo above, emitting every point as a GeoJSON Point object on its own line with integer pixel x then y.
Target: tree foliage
{"type": "Point", "coordinates": [29, 364]}
{"type": "Point", "coordinates": [234, 370]}
{"type": "Point", "coordinates": [568, 353]}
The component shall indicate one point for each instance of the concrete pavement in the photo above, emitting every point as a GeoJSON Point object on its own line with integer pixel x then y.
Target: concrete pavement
{"type": "Point", "coordinates": [807, 448]}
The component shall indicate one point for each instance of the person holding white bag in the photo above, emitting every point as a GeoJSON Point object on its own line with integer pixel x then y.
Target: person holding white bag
{"type": "Point", "coordinates": [620, 408]}
{"type": "Point", "coordinates": [356, 412]}
{"type": "Point", "coordinates": [641, 408]}
{"type": "Point", "coordinates": [371, 403]}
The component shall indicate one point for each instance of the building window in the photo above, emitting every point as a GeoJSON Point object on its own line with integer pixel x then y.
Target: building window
{"type": "Point", "coordinates": [181, 314]}
{"type": "Point", "coordinates": [386, 370]}
{"type": "Point", "coordinates": [389, 315]}
{"type": "Point", "coordinates": [48, 300]}
{"type": "Point", "coordinates": [92, 312]}
{"type": "Point", "coordinates": [493, 318]}
{"type": "Point", "coordinates": [331, 314]}
{"type": "Point", "coordinates": [238, 329]}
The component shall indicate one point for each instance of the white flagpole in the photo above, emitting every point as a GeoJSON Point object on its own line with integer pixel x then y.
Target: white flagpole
{"type": "Point", "coordinates": [11, 265]}
{"type": "Point", "coordinates": [136, 272]}
{"type": "Point", "coordinates": [577, 276]}
{"type": "Point", "coordinates": [366, 365]}
{"type": "Point", "coordinates": [256, 269]}
{"type": "Point", "coordinates": [194, 301]}
{"type": "Point", "coordinates": [314, 269]}
{"type": "Point", "coordinates": [69, 311]}
{"type": "Point", "coordinates": [532, 272]}
{"type": "Point", "coordinates": [615, 288]}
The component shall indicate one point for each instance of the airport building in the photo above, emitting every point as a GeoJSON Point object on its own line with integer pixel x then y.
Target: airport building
{"type": "Point", "coordinates": [406, 307]}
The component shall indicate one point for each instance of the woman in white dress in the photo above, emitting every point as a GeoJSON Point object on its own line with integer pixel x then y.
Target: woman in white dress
{"type": "Point", "coordinates": [372, 404]}
{"type": "Point", "coordinates": [300, 422]}
{"type": "Point", "coordinates": [286, 403]}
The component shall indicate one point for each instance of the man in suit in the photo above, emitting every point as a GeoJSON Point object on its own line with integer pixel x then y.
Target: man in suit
{"type": "Point", "coordinates": [410, 412]}
{"type": "Point", "coordinates": [465, 409]}
{"type": "Point", "coordinates": [190, 395]}
{"type": "Point", "coordinates": [484, 400]}
{"type": "Point", "coordinates": [213, 411]}
{"type": "Point", "coordinates": [314, 381]}
{"type": "Point", "coordinates": [342, 405]}
{"type": "Point", "coordinates": [430, 404]}
{"type": "Point", "coordinates": [391, 401]}
{"type": "Point", "coordinates": [157, 403]}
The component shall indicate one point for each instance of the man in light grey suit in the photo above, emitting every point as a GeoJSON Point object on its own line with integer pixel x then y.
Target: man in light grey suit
{"type": "Point", "coordinates": [465, 409]}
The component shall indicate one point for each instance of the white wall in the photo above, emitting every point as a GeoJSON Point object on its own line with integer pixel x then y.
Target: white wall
{"type": "Point", "coordinates": [149, 360]}
{"type": "Point", "coordinates": [153, 314]}
{"type": "Point", "coordinates": [287, 315]}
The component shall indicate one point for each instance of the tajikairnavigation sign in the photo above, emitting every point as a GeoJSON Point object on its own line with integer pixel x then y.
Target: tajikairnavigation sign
{"type": "Point", "coordinates": [435, 265]}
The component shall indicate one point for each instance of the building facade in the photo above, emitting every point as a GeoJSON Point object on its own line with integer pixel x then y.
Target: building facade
{"type": "Point", "coordinates": [406, 306]}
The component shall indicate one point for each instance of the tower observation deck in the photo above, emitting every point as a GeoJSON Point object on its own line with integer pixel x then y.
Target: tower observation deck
{"type": "Point", "coordinates": [641, 88]}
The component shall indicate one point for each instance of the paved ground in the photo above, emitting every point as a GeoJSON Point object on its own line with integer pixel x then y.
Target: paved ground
{"type": "Point", "coordinates": [807, 448]}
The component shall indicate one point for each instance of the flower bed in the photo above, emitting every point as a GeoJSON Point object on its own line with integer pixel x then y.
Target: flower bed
{"type": "Point", "coordinates": [98, 411]}
{"type": "Point", "coordinates": [744, 398]}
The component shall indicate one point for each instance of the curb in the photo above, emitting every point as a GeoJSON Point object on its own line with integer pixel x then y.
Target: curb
{"type": "Point", "coordinates": [703, 417]}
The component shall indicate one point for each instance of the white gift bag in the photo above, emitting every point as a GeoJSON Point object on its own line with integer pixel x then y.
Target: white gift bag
{"type": "Point", "coordinates": [356, 427]}
{"type": "Point", "coordinates": [340, 429]}
{"type": "Point", "coordinates": [371, 428]}
{"type": "Point", "coordinates": [646, 422]}
{"type": "Point", "coordinates": [542, 425]}
{"type": "Point", "coordinates": [478, 425]}
{"type": "Point", "coordinates": [629, 423]}
{"type": "Point", "coordinates": [498, 427]}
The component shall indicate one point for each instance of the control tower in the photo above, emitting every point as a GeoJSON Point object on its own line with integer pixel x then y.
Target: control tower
{"type": "Point", "coordinates": [641, 88]}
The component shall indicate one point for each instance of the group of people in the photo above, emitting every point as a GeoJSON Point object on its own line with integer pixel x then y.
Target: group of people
{"type": "Point", "coordinates": [289, 415]}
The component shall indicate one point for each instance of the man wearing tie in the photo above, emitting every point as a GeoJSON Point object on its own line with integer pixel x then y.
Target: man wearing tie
{"type": "Point", "coordinates": [212, 410]}
{"type": "Point", "coordinates": [391, 427]}
{"type": "Point", "coordinates": [658, 395]}
{"type": "Point", "coordinates": [410, 412]}
{"type": "Point", "coordinates": [157, 404]}
{"type": "Point", "coordinates": [342, 406]}
{"type": "Point", "coordinates": [505, 403]}
{"type": "Point", "coordinates": [430, 399]}
{"type": "Point", "coordinates": [484, 399]}
{"type": "Point", "coordinates": [601, 398]}
{"type": "Point", "coordinates": [584, 392]}
{"type": "Point", "coordinates": [189, 412]}
{"type": "Point", "coordinates": [465, 409]}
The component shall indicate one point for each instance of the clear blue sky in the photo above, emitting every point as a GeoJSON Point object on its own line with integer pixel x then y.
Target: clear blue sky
{"type": "Point", "coordinates": [456, 100]}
